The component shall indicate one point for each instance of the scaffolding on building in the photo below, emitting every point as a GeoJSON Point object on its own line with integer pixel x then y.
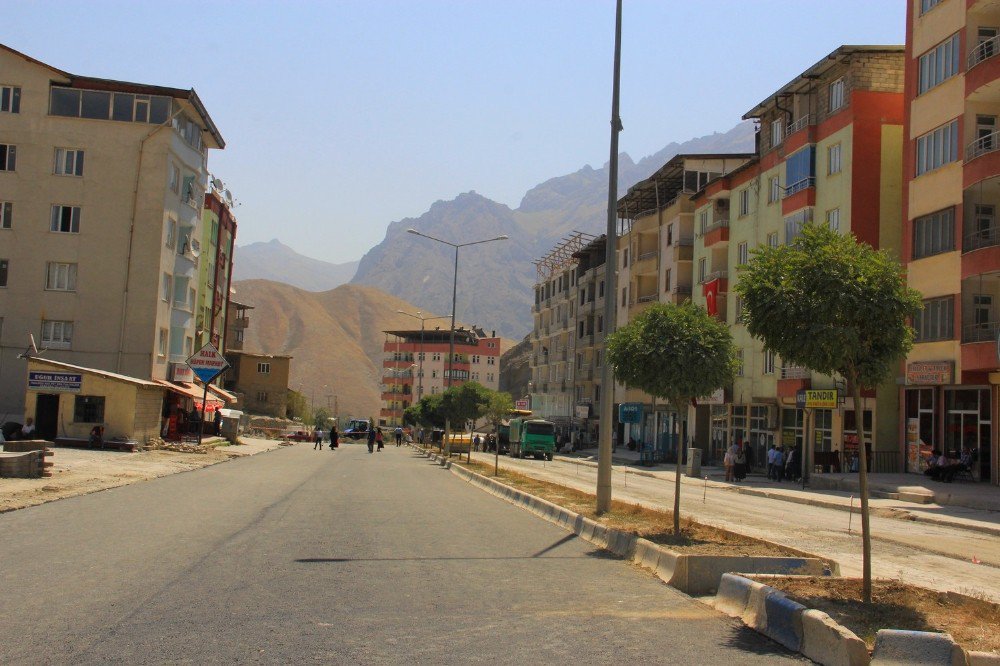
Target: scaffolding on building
{"type": "Point", "coordinates": [561, 256]}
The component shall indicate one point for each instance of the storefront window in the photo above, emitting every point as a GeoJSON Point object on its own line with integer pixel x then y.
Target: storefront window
{"type": "Point", "coordinates": [739, 424]}
{"type": "Point", "coordinates": [720, 431]}
{"type": "Point", "coordinates": [761, 437]}
{"type": "Point", "coordinates": [968, 428]}
{"type": "Point", "coordinates": [920, 406]}
{"type": "Point", "coordinates": [791, 428]}
{"type": "Point", "coordinates": [823, 430]}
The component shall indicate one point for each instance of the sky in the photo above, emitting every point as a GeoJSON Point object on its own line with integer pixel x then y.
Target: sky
{"type": "Point", "coordinates": [343, 116]}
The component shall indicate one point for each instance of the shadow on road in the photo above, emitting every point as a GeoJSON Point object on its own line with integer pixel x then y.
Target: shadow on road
{"type": "Point", "coordinates": [745, 639]}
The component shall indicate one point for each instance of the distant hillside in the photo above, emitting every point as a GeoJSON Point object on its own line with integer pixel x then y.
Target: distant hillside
{"type": "Point", "coordinates": [496, 279]}
{"type": "Point", "coordinates": [334, 336]}
{"type": "Point", "coordinates": [278, 262]}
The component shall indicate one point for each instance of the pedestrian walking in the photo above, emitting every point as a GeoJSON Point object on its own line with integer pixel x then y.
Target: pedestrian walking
{"type": "Point", "coordinates": [729, 461]}
{"type": "Point", "coordinates": [399, 436]}
{"type": "Point", "coordinates": [334, 437]}
{"type": "Point", "coordinates": [371, 440]}
{"type": "Point", "coordinates": [318, 439]}
{"type": "Point", "coordinates": [379, 439]}
{"type": "Point", "coordinates": [779, 464]}
{"type": "Point", "coordinates": [740, 464]}
{"type": "Point", "coordinates": [771, 452]}
{"type": "Point", "coordinates": [477, 442]}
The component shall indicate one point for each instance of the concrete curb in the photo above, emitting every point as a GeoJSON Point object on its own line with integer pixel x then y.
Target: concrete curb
{"type": "Point", "coordinates": [894, 646]}
{"type": "Point", "coordinates": [983, 659]}
{"type": "Point", "coordinates": [692, 574]}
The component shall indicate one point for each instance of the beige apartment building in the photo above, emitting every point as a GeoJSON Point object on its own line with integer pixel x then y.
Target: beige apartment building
{"type": "Point", "coordinates": [102, 185]}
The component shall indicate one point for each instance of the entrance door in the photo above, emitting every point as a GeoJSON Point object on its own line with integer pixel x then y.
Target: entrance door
{"type": "Point", "coordinates": [47, 416]}
{"type": "Point", "coordinates": [985, 37]}
{"type": "Point", "coordinates": [968, 426]}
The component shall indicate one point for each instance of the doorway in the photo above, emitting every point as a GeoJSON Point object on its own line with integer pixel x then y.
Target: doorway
{"type": "Point", "coordinates": [47, 416]}
{"type": "Point", "coordinates": [968, 427]}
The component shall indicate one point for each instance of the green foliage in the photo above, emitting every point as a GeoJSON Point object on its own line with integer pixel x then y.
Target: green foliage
{"type": "Point", "coordinates": [464, 403]}
{"type": "Point", "coordinates": [320, 417]}
{"type": "Point", "coordinates": [831, 304]}
{"type": "Point", "coordinates": [427, 412]}
{"type": "Point", "coordinates": [499, 406]}
{"type": "Point", "coordinates": [411, 415]}
{"type": "Point", "coordinates": [297, 406]}
{"type": "Point", "coordinates": [673, 352]}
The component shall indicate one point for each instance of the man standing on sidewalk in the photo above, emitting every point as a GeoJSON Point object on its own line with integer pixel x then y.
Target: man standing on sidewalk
{"type": "Point", "coordinates": [771, 452]}
{"type": "Point", "coordinates": [399, 436]}
{"type": "Point", "coordinates": [779, 464]}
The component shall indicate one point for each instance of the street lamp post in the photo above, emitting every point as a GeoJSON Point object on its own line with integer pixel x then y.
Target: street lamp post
{"type": "Point", "coordinates": [454, 296]}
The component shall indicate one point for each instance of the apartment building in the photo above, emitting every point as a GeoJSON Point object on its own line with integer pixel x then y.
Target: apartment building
{"type": "Point", "coordinates": [829, 152]}
{"type": "Point", "coordinates": [655, 250]}
{"type": "Point", "coordinates": [101, 190]}
{"type": "Point", "coordinates": [218, 242]}
{"type": "Point", "coordinates": [415, 364]}
{"type": "Point", "coordinates": [951, 167]}
{"type": "Point", "coordinates": [260, 382]}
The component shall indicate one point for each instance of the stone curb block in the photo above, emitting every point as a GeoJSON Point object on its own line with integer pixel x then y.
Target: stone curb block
{"type": "Point", "coordinates": [733, 594]}
{"type": "Point", "coordinates": [784, 620]}
{"type": "Point", "coordinates": [984, 659]}
{"type": "Point", "coordinates": [895, 646]}
{"type": "Point", "coordinates": [827, 642]}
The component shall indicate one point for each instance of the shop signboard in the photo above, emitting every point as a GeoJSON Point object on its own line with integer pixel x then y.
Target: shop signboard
{"type": "Point", "coordinates": [55, 382]}
{"type": "Point", "coordinates": [582, 411]}
{"type": "Point", "coordinates": [630, 412]}
{"type": "Point", "coordinates": [207, 363]}
{"type": "Point", "coordinates": [718, 397]}
{"type": "Point", "coordinates": [930, 372]}
{"type": "Point", "coordinates": [816, 399]}
{"type": "Point", "coordinates": [182, 373]}
{"type": "Point", "coordinates": [521, 404]}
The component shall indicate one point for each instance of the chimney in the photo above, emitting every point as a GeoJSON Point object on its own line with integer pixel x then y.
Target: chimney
{"type": "Point", "coordinates": [493, 334]}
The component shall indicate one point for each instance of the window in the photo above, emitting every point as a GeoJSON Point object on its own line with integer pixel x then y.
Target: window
{"type": "Point", "coordinates": [833, 219]}
{"type": "Point", "coordinates": [600, 289]}
{"type": "Point", "coordinates": [800, 170]}
{"type": "Point", "coordinates": [4, 264]}
{"type": "Point", "coordinates": [261, 396]}
{"type": "Point", "coordinates": [772, 239]}
{"type": "Point", "coordinates": [670, 234]}
{"type": "Point", "coordinates": [936, 321]}
{"type": "Point", "coordinates": [833, 159]}
{"type": "Point", "coordinates": [624, 300]}
{"type": "Point", "coordinates": [88, 409]}
{"type": "Point", "coordinates": [742, 254]}
{"type": "Point", "coordinates": [773, 189]}
{"type": "Point", "coordinates": [65, 219]}
{"type": "Point", "coordinates": [188, 346]}
{"type": "Point", "coordinates": [6, 215]}
{"type": "Point", "coordinates": [60, 277]}
{"type": "Point", "coordinates": [57, 334]}
{"type": "Point", "coordinates": [666, 280]}
{"type": "Point", "coordinates": [8, 157]}
{"type": "Point", "coordinates": [768, 362]}
{"type": "Point", "coordinates": [436, 356]}
{"type": "Point", "coordinates": [171, 233]}
{"type": "Point", "coordinates": [491, 360]}
{"type": "Point", "coordinates": [939, 64]}
{"type": "Point", "coordinates": [167, 288]}
{"type": "Point", "coordinates": [703, 221]}
{"type": "Point", "coordinates": [744, 202]}
{"type": "Point", "coordinates": [937, 148]}
{"type": "Point", "coordinates": [238, 335]}
{"type": "Point", "coordinates": [777, 131]}
{"type": "Point", "coordinates": [10, 99]}
{"type": "Point", "coordinates": [836, 95]}
{"type": "Point", "coordinates": [175, 179]}
{"type": "Point", "coordinates": [263, 368]}
{"type": "Point", "coordinates": [739, 309]}
{"type": "Point", "coordinates": [161, 342]}
{"type": "Point", "coordinates": [926, 6]}
{"type": "Point", "coordinates": [795, 222]}
{"type": "Point", "coordinates": [100, 105]}
{"type": "Point", "coordinates": [625, 258]}
{"type": "Point", "coordinates": [68, 162]}
{"type": "Point", "coordinates": [982, 310]}
{"type": "Point", "coordinates": [702, 269]}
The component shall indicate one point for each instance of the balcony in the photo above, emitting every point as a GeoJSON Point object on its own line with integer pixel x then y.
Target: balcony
{"type": "Point", "coordinates": [793, 379]}
{"type": "Point", "coordinates": [984, 237]}
{"type": "Point", "coordinates": [646, 298]}
{"type": "Point", "coordinates": [715, 275]}
{"type": "Point", "coordinates": [799, 124]}
{"type": "Point", "coordinates": [982, 332]}
{"type": "Point", "coordinates": [714, 233]}
{"type": "Point", "coordinates": [982, 145]}
{"type": "Point", "coordinates": [984, 52]}
{"type": "Point", "coordinates": [645, 263]}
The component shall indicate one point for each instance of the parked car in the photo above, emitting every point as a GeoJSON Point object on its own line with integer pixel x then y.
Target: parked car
{"type": "Point", "coordinates": [356, 429]}
{"type": "Point", "coordinates": [299, 436]}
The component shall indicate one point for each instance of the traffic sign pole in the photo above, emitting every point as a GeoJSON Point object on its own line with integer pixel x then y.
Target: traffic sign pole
{"type": "Point", "coordinates": [207, 364]}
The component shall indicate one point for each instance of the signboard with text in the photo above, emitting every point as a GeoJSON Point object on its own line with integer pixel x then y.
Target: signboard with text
{"type": "Point", "coordinates": [521, 404]}
{"type": "Point", "coordinates": [718, 397]}
{"type": "Point", "coordinates": [930, 372]}
{"type": "Point", "coordinates": [55, 382]}
{"type": "Point", "coordinates": [630, 412]}
{"type": "Point", "coordinates": [582, 411]}
{"type": "Point", "coordinates": [816, 399]}
{"type": "Point", "coordinates": [207, 363]}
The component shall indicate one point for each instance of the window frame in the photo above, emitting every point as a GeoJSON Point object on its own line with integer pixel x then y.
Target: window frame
{"type": "Point", "coordinates": [12, 95]}
{"type": "Point", "coordinates": [942, 324]}
{"type": "Point", "coordinates": [836, 95]}
{"type": "Point", "coordinates": [8, 160]}
{"type": "Point", "coordinates": [6, 214]}
{"type": "Point", "coordinates": [4, 272]}
{"type": "Point", "coordinates": [263, 367]}
{"type": "Point", "coordinates": [939, 63]}
{"type": "Point", "coordinates": [57, 219]}
{"type": "Point", "coordinates": [834, 159]}
{"type": "Point", "coordinates": [66, 274]}
{"type": "Point", "coordinates": [48, 336]}
{"type": "Point", "coordinates": [89, 408]}
{"type": "Point", "coordinates": [934, 241]}
{"type": "Point", "coordinates": [931, 147]}
{"type": "Point", "coordinates": [71, 157]}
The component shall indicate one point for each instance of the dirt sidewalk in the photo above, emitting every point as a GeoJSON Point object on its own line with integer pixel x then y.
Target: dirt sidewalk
{"type": "Point", "coordinates": [82, 471]}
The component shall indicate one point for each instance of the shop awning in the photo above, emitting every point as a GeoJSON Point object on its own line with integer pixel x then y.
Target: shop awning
{"type": "Point", "coordinates": [193, 392]}
{"type": "Point", "coordinates": [226, 396]}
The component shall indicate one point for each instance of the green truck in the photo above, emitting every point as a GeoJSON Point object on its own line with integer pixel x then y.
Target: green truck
{"type": "Point", "coordinates": [532, 437]}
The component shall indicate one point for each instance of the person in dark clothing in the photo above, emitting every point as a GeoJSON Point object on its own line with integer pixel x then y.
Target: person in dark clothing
{"type": "Point", "coordinates": [379, 438]}
{"type": "Point", "coordinates": [371, 440]}
{"type": "Point", "coordinates": [334, 437]}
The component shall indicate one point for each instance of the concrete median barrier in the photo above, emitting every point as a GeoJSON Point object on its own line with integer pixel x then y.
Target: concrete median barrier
{"type": "Point", "coordinates": [894, 646]}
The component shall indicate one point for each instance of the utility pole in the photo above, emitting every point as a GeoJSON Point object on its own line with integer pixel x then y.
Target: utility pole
{"type": "Point", "coordinates": [610, 293]}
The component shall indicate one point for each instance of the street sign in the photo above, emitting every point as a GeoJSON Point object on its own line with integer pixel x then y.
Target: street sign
{"type": "Point", "coordinates": [207, 363]}
{"type": "Point", "coordinates": [630, 412]}
{"type": "Point", "coordinates": [50, 382]}
{"type": "Point", "coordinates": [521, 404]}
{"type": "Point", "coordinates": [822, 399]}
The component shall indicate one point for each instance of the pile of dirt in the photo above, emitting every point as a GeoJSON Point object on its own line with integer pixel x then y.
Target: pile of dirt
{"type": "Point", "coordinates": [974, 623]}
{"type": "Point", "coordinates": [657, 526]}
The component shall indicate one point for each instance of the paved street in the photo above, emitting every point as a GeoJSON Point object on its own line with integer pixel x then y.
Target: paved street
{"type": "Point", "coordinates": [935, 556]}
{"type": "Point", "coordinates": [341, 557]}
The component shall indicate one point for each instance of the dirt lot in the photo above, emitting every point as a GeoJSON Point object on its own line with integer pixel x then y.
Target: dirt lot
{"type": "Point", "coordinates": [974, 623]}
{"type": "Point", "coordinates": [82, 471]}
{"type": "Point", "coordinates": [657, 526]}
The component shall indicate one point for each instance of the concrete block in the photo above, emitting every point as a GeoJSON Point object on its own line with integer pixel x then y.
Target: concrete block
{"type": "Point", "coordinates": [647, 553]}
{"type": "Point", "coordinates": [733, 594]}
{"type": "Point", "coordinates": [826, 642]}
{"type": "Point", "coordinates": [784, 620]}
{"type": "Point", "coordinates": [666, 566]}
{"type": "Point", "coordinates": [984, 659]}
{"type": "Point", "coordinates": [755, 612]}
{"type": "Point", "coordinates": [914, 648]}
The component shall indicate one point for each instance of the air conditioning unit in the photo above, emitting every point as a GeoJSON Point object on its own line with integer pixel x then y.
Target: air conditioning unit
{"type": "Point", "coordinates": [722, 204]}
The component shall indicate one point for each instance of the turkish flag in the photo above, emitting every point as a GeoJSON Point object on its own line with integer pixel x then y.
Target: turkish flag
{"type": "Point", "coordinates": [710, 290]}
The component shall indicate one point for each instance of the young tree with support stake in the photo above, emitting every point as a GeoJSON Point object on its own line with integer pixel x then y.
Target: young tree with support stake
{"type": "Point", "coordinates": [677, 353]}
{"type": "Point", "coordinates": [839, 307]}
{"type": "Point", "coordinates": [497, 409]}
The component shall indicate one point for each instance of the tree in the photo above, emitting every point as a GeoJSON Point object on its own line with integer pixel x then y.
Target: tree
{"type": "Point", "coordinates": [677, 353]}
{"type": "Point", "coordinates": [497, 409]}
{"type": "Point", "coordinates": [320, 417]}
{"type": "Point", "coordinates": [837, 306]}
{"type": "Point", "coordinates": [296, 406]}
{"type": "Point", "coordinates": [464, 403]}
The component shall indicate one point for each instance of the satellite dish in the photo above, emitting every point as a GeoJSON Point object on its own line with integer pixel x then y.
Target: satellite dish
{"type": "Point", "coordinates": [229, 196]}
{"type": "Point", "coordinates": [195, 248]}
{"type": "Point", "coordinates": [217, 184]}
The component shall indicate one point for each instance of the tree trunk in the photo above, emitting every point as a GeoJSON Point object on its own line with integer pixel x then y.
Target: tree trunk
{"type": "Point", "coordinates": [866, 535]}
{"type": "Point", "coordinates": [677, 474]}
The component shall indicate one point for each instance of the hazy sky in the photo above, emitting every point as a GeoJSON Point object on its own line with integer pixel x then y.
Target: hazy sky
{"type": "Point", "coordinates": [341, 117]}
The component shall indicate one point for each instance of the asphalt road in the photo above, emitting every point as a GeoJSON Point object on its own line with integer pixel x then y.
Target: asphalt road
{"type": "Point", "coordinates": [934, 556]}
{"type": "Point", "coordinates": [299, 556]}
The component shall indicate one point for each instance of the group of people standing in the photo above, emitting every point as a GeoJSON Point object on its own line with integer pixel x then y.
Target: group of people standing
{"type": "Point", "coordinates": [319, 436]}
{"type": "Point", "coordinates": [738, 460]}
{"type": "Point", "coordinates": [942, 468]}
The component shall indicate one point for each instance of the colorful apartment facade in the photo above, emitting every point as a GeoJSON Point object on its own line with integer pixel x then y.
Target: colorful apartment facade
{"type": "Point", "coordinates": [218, 243]}
{"type": "Point", "coordinates": [101, 190]}
{"type": "Point", "coordinates": [415, 364]}
{"type": "Point", "coordinates": [951, 166]}
{"type": "Point", "coordinates": [829, 152]}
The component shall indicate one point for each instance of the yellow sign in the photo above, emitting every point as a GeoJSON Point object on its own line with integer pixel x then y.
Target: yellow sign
{"type": "Point", "coordinates": [821, 399]}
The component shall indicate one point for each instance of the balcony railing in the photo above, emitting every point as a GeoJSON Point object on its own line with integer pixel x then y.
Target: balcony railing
{"type": "Point", "coordinates": [795, 372]}
{"type": "Point", "coordinates": [715, 275]}
{"type": "Point", "coordinates": [984, 51]}
{"type": "Point", "coordinates": [800, 185]}
{"type": "Point", "coordinates": [977, 240]}
{"type": "Point", "coordinates": [682, 290]}
{"type": "Point", "coordinates": [984, 332]}
{"type": "Point", "coordinates": [647, 255]}
{"type": "Point", "coordinates": [684, 241]}
{"type": "Point", "coordinates": [982, 145]}
{"type": "Point", "coordinates": [801, 123]}
{"type": "Point", "coordinates": [646, 299]}
{"type": "Point", "coordinates": [715, 224]}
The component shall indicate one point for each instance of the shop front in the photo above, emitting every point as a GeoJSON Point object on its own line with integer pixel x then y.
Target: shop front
{"type": "Point", "coordinates": [183, 407]}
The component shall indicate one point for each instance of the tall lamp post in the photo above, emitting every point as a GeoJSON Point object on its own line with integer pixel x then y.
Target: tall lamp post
{"type": "Point", "coordinates": [451, 333]}
{"type": "Point", "coordinates": [420, 356]}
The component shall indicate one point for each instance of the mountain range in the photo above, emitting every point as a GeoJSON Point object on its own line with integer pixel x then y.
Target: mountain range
{"type": "Point", "coordinates": [276, 261]}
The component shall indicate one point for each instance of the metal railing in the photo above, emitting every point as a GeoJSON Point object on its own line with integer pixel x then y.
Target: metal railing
{"type": "Point", "coordinates": [715, 275]}
{"type": "Point", "coordinates": [983, 238]}
{"type": "Point", "coordinates": [801, 123]}
{"type": "Point", "coordinates": [715, 224]}
{"type": "Point", "coordinates": [647, 255]}
{"type": "Point", "coordinates": [982, 145]}
{"type": "Point", "coordinates": [795, 372]}
{"type": "Point", "coordinates": [682, 289]}
{"type": "Point", "coordinates": [647, 298]}
{"type": "Point", "coordinates": [684, 241]}
{"type": "Point", "coordinates": [984, 51]}
{"type": "Point", "coordinates": [985, 332]}
{"type": "Point", "coordinates": [800, 185]}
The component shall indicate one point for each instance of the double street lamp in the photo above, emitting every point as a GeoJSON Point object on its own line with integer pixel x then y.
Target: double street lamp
{"type": "Point", "coordinates": [454, 294]}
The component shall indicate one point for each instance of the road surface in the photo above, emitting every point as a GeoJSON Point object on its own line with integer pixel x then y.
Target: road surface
{"type": "Point", "coordinates": [299, 556]}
